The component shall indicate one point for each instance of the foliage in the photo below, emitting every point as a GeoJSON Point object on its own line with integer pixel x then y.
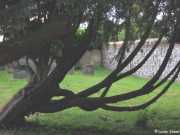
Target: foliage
{"type": "Point", "coordinates": [46, 33]}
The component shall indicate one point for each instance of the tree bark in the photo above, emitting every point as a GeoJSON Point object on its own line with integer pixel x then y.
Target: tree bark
{"type": "Point", "coordinates": [26, 102]}
{"type": "Point", "coordinates": [35, 96]}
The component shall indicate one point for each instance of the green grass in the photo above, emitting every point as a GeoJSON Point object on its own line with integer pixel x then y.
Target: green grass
{"type": "Point", "coordinates": [164, 114]}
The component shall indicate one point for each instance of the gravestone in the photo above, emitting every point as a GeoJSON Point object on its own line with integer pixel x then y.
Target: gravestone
{"type": "Point", "coordinates": [2, 68]}
{"type": "Point", "coordinates": [23, 62]}
{"type": "Point", "coordinates": [20, 74]}
{"type": "Point", "coordinates": [96, 57]}
{"type": "Point", "coordinates": [85, 59]}
{"type": "Point", "coordinates": [92, 57]}
{"type": "Point", "coordinates": [88, 69]}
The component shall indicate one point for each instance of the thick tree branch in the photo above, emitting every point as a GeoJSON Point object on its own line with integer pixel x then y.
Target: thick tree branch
{"type": "Point", "coordinates": [33, 43]}
{"type": "Point", "coordinates": [108, 79]}
{"type": "Point", "coordinates": [143, 106]}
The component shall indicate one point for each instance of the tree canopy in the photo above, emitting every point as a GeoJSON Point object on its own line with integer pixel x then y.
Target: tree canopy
{"type": "Point", "coordinates": [48, 31]}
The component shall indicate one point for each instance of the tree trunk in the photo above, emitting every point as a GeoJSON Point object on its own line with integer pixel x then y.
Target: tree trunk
{"type": "Point", "coordinates": [36, 95]}
{"type": "Point", "coordinates": [26, 102]}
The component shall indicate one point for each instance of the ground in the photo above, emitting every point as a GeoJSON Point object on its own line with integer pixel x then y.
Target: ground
{"type": "Point", "coordinates": [163, 115]}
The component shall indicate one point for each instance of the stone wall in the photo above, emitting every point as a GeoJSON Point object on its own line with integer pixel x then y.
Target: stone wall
{"type": "Point", "coordinates": [92, 57]}
{"type": "Point", "coordinates": [107, 57]}
{"type": "Point", "coordinates": [152, 64]}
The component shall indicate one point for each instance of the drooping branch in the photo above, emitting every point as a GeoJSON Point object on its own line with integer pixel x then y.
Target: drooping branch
{"type": "Point", "coordinates": [89, 104]}
{"type": "Point", "coordinates": [108, 80]}
{"type": "Point", "coordinates": [148, 87]}
{"type": "Point", "coordinates": [94, 103]}
{"type": "Point", "coordinates": [139, 92]}
{"type": "Point", "coordinates": [133, 70]}
{"type": "Point", "coordinates": [144, 105]}
{"type": "Point", "coordinates": [62, 25]}
{"type": "Point", "coordinates": [122, 50]}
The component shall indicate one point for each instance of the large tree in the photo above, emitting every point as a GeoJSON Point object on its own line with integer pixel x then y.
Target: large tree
{"type": "Point", "coordinates": [47, 31]}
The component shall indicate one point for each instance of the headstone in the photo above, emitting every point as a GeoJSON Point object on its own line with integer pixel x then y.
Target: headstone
{"type": "Point", "coordinates": [96, 57]}
{"type": "Point", "coordinates": [2, 68]}
{"type": "Point", "coordinates": [92, 57]}
{"type": "Point", "coordinates": [22, 62]}
{"type": "Point", "coordinates": [20, 74]}
{"type": "Point", "coordinates": [9, 69]}
{"type": "Point", "coordinates": [88, 69]}
{"type": "Point", "coordinates": [85, 59]}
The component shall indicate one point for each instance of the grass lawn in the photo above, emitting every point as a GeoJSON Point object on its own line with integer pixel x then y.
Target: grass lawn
{"type": "Point", "coordinates": [163, 115]}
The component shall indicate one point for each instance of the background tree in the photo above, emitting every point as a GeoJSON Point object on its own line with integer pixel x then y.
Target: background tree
{"type": "Point", "coordinates": [46, 32]}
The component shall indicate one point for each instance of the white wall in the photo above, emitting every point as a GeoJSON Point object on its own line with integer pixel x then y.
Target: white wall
{"type": "Point", "coordinates": [152, 64]}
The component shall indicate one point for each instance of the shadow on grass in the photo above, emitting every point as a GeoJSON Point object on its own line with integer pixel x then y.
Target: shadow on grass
{"type": "Point", "coordinates": [32, 128]}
